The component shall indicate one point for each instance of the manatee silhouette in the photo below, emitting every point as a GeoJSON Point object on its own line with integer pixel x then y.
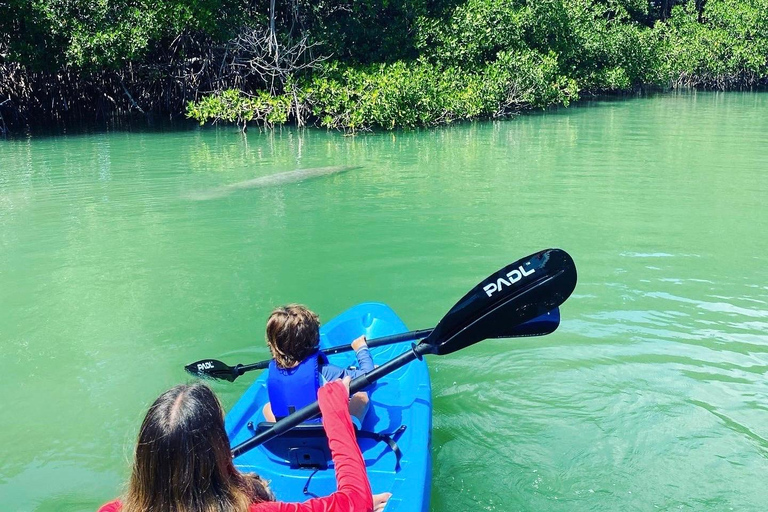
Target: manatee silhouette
{"type": "Point", "coordinates": [272, 180]}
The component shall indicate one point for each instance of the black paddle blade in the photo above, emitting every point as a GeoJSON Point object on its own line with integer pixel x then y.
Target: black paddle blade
{"type": "Point", "coordinates": [212, 369]}
{"type": "Point", "coordinates": [539, 326]}
{"type": "Point", "coordinates": [515, 294]}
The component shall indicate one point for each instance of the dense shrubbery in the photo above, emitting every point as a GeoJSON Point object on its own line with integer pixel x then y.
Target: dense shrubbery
{"type": "Point", "coordinates": [420, 93]}
{"type": "Point", "coordinates": [363, 63]}
{"type": "Point", "coordinates": [89, 35]}
{"type": "Point", "coordinates": [598, 45]}
{"type": "Point", "coordinates": [233, 106]}
{"type": "Point", "coordinates": [487, 58]}
{"type": "Point", "coordinates": [728, 48]}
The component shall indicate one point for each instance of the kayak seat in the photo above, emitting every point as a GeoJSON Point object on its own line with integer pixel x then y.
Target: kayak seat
{"type": "Point", "coordinates": [305, 446]}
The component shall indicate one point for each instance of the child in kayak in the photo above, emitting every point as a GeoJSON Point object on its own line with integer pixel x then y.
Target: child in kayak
{"type": "Point", "coordinates": [183, 461]}
{"type": "Point", "coordinates": [299, 368]}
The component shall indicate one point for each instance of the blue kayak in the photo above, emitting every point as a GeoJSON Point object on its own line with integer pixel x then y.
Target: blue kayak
{"type": "Point", "coordinates": [298, 467]}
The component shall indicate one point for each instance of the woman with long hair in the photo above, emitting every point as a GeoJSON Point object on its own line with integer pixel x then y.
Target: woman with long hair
{"type": "Point", "coordinates": [183, 461]}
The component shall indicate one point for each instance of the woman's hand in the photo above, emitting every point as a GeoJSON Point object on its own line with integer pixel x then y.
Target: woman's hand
{"type": "Point", "coordinates": [380, 501]}
{"type": "Point", "coordinates": [359, 343]}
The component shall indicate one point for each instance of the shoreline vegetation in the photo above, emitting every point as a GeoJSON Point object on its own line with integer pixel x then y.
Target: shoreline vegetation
{"type": "Point", "coordinates": [367, 64]}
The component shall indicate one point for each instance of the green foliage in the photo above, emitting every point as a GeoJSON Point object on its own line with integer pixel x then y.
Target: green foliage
{"type": "Point", "coordinates": [598, 45]}
{"type": "Point", "coordinates": [610, 51]}
{"type": "Point", "coordinates": [474, 34]}
{"type": "Point", "coordinates": [423, 94]}
{"type": "Point", "coordinates": [403, 94]}
{"type": "Point", "coordinates": [365, 31]}
{"type": "Point", "coordinates": [95, 34]}
{"type": "Point", "coordinates": [233, 106]}
{"type": "Point", "coordinates": [728, 48]}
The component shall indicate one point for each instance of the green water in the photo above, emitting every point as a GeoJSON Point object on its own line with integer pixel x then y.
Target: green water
{"type": "Point", "coordinates": [652, 395]}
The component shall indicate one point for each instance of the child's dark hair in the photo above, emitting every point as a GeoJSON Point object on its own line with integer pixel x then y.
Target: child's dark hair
{"type": "Point", "coordinates": [293, 333]}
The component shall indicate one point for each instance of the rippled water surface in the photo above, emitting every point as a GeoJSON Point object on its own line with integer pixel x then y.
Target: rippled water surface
{"type": "Point", "coordinates": [117, 268]}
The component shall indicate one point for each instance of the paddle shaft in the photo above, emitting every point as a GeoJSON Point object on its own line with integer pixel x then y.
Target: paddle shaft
{"type": "Point", "coordinates": [376, 342]}
{"type": "Point", "coordinates": [313, 410]}
{"type": "Point", "coordinates": [544, 324]}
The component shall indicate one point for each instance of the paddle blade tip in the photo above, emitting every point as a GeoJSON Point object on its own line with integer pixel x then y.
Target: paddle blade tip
{"type": "Point", "coordinates": [211, 369]}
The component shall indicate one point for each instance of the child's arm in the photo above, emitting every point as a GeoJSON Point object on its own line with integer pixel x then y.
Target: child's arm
{"type": "Point", "coordinates": [332, 372]}
{"type": "Point", "coordinates": [364, 359]}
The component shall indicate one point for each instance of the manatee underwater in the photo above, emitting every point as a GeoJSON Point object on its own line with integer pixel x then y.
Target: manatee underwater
{"type": "Point", "coordinates": [272, 180]}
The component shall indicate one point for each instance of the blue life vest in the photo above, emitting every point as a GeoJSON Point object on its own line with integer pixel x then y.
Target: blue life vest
{"type": "Point", "coordinates": [290, 389]}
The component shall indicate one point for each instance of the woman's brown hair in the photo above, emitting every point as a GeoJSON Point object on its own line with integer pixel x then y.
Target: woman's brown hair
{"type": "Point", "coordinates": [183, 462]}
{"type": "Point", "coordinates": [293, 333]}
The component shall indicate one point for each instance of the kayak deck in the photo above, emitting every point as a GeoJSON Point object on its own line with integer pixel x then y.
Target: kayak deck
{"type": "Point", "coordinates": [401, 398]}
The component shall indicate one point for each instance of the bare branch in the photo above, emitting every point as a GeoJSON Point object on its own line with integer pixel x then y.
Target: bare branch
{"type": "Point", "coordinates": [258, 53]}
